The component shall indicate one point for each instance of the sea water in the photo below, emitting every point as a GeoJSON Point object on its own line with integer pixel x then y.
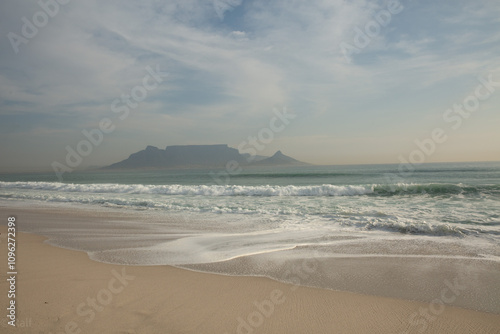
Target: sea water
{"type": "Point", "coordinates": [221, 216]}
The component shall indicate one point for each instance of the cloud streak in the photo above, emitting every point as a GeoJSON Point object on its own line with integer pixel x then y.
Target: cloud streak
{"type": "Point", "coordinates": [230, 62]}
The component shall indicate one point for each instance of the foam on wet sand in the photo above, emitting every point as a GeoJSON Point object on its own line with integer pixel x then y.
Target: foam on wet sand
{"type": "Point", "coordinates": [62, 290]}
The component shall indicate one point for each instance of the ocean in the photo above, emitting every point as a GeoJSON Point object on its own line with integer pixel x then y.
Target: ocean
{"type": "Point", "coordinates": [272, 209]}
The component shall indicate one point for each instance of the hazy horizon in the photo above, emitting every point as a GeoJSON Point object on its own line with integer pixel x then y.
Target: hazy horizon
{"type": "Point", "coordinates": [325, 82]}
{"type": "Point", "coordinates": [95, 168]}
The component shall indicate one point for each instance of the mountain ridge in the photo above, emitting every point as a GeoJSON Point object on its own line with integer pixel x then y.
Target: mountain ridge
{"type": "Point", "coordinates": [192, 156]}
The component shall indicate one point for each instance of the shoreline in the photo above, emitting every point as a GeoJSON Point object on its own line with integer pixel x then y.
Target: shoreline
{"type": "Point", "coordinates": [405, 267]}
{"type": "Point", "coordinates": [64, 291]}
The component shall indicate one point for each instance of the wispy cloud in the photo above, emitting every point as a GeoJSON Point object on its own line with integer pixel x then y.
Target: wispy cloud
{"type": "Point", "coordinates": [231, 61]}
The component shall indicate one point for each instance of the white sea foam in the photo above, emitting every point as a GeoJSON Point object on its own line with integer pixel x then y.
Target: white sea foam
{"type": "Point", "coordinates": [200, 190]}
{"type": "Point", "coordinates": [347, 207]}
{"type": "Point", "coordinates": [261, 190]}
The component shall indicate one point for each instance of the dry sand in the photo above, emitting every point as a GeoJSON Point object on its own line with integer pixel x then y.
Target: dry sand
{"type": "Point", "coordinates": [63, 291]}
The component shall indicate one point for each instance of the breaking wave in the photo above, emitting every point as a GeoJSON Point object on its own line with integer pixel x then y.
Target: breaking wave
{"type": "Point", "coordinates": [265, 191]}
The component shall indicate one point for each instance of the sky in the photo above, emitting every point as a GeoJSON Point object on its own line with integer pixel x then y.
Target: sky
{"type": "Point", "coordinates": [354, 82]}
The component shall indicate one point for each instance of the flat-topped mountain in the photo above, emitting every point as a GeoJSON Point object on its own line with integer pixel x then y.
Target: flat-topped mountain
{"type": "Point", "coordinates": [192, 156]}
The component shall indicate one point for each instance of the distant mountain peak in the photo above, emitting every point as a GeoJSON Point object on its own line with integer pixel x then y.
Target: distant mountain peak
{"type": "Point", "coordinates": [279, 159]}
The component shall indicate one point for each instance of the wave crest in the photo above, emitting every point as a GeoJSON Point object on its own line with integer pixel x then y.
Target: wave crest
{"type": "Point", "coordinates": [197, 190]}
{"type": "Point", "coordinates": [265, 190]}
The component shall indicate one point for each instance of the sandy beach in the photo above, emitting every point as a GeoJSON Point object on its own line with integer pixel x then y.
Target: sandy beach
{"type": "Point", "coordinates": [63, 291]}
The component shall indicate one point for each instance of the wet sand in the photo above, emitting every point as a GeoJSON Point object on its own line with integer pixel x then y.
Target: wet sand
{"type": "Point", "coordinates": [63, 291]}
